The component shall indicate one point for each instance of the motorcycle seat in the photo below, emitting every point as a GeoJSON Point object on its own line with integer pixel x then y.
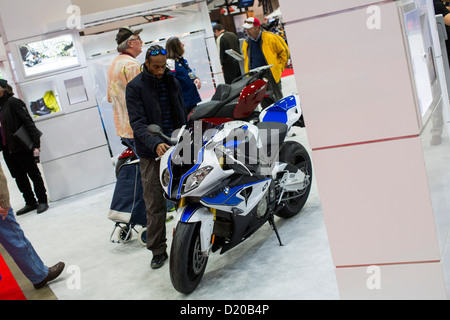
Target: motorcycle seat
{"type": "Point", "coordinates": [230, 91]}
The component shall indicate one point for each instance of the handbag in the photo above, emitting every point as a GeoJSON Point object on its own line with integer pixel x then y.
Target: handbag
{"type": "Point", "coordinates": [24, 138]}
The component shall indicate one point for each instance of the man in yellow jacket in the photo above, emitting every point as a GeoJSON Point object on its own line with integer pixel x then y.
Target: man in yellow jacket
{"type": "Point", "coordinates": [265, 48]}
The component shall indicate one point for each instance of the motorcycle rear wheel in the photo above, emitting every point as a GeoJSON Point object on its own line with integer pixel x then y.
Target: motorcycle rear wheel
{"type": "Point", "coordinates": [187, 263]}
{"type": "Point", "coordinates": [295, 154]}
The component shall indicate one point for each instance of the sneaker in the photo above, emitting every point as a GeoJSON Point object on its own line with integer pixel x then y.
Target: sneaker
{"type": "Point", "coordinates": [169, 218]}
{"type": "Point", "coordinates": [158, 260]}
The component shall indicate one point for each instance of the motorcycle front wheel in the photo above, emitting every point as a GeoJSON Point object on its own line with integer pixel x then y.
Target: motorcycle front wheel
{"type": "Point", "coordinates": [187, 263]}
{"type": "Point", "coordinates": [295, 154]}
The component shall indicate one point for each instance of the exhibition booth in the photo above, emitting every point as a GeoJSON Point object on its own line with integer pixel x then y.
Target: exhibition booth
{"type": "Point", "coordinates": [371, 76]}
{"type": "Point", "coordinates": [60, 73]}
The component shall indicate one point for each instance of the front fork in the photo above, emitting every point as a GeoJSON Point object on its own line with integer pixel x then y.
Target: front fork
{"type": "Point", "coordinates": [195, 213]}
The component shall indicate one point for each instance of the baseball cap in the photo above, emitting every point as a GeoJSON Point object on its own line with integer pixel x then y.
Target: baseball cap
{"type": "Point", "coordinates": [126, 32]}
{"type": "Point", "coordinates": [250, 22]}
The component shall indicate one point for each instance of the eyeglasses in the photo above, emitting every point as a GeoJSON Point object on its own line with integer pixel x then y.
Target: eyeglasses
{"type": "Point", "coordinates": [155, 52]}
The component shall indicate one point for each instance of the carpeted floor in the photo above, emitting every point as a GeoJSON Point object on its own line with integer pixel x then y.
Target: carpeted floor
{"type": "Point", "coordinates": [9, 289]}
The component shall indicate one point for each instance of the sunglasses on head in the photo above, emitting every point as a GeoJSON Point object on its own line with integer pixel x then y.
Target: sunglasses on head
{"type": "Point", "coordinates": [155, 52]}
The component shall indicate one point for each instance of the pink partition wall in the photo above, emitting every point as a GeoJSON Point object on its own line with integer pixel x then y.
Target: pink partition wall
{"type": "Point", "coordinates": [361, 112]}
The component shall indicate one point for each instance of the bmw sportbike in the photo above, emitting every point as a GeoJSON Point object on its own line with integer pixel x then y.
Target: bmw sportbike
{"type": "Point", "coordinates": [228, 180]}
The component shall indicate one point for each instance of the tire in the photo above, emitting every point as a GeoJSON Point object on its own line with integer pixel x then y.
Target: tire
{"type": "Point", "coordinates": [125, 234]}
{"type": "Point", "coordinates": [187, 264]}
{"type": "Point", "coordinates": [142, 237]}
{"type": "Point", "coordinates": [295, 154]}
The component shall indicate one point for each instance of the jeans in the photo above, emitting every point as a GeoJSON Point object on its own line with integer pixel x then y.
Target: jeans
{"type": "Point", "coordinates": [21, 250]}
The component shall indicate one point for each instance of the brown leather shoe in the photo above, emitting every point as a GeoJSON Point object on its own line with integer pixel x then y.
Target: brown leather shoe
{"type": "Point", "coordinates": [53, 273]}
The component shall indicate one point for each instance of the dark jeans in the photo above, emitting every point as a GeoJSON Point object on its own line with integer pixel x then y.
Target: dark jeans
{"type": "Point", "coordinates": [21, 165]}
{"type": "Point", "coordinates": [155, 206]}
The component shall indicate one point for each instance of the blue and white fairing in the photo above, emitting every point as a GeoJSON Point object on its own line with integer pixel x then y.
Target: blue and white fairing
{"type": "Point", "coordinates": [206, 170]}
{"type": "Point", "coordinates": [287, 111]}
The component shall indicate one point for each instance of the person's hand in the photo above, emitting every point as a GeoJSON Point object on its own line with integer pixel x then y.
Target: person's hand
{"type": "Point", "coordinates": [3, 212]}
{"type": "Point", "coordinates": [161, 149]}
{"type": "Point", "coordinates": [198, 83]}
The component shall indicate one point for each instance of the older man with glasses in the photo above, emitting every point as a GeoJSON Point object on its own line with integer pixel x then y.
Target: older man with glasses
{"type": "Point", "coordinates": [121, 71]}
{"type": "Point", "coordinates": [154, 97]}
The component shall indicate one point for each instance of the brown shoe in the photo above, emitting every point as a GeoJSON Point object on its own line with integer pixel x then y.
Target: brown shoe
{"type": "Point", "coordinates": [53, 273]}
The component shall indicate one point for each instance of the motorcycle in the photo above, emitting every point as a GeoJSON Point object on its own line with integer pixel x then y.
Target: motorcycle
{"type": "Point", "coordinates": [223, 106]}
{"type": "Point", "coordinates": [229, 177]}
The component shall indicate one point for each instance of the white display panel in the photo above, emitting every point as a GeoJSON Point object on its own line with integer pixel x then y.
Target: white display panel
{"type": "Point", "coordinates": [421, 54]}
{"type": "Point", "coordinates": [78, 173]}
{"type": "Point", "coordinates": [47, 54]}
{"type": "Point", "coordinates": [63, 137]}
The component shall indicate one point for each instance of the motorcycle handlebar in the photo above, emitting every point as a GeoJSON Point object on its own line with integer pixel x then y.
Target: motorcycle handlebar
{"type": "Point", "coordinates": [258, 70]}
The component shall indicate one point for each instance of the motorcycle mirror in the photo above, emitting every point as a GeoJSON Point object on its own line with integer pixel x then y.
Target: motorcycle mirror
{"type": "Point", "coordinates": [154, 129]}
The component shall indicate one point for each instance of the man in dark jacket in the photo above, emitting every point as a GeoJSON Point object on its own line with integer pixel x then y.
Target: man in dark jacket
{"type": "Point", "coordinates": [227, 40]}
{"type": "Point", "coordinates": [154, 97]}
{"type": "Point", "coordinates": [19, 159]}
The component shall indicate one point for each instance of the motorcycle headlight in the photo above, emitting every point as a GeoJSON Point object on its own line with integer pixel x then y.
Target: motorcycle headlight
{"type": "Point", "coordinates": [195, 178]}
{"type": "Point", "coordinates": [166, 177]}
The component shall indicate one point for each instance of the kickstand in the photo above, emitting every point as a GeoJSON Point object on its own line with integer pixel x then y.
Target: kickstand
{"type": "Point", "coordinates": [274, 227]}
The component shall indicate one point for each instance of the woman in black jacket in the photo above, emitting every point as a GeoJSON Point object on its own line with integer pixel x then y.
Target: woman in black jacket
{"type": "Point", "coordinates": [19, 159]}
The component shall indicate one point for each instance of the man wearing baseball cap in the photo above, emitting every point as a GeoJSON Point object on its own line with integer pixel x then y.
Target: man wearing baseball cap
{"type": "Point", "coordinates": [121, 71]}
{"type": "Point", "coordinates": [263, 48]}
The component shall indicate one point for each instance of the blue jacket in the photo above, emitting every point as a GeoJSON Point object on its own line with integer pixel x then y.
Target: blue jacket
{"type": "Point", "coordinates": [143, 109]}
{"type": "Point", "coordinates": [180, 68]}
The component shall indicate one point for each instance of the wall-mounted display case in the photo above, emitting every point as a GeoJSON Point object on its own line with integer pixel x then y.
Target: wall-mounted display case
{"type": "Point", "coordinates": [58, 94]}
{"type": "Point", "coordinates": [54, 82]}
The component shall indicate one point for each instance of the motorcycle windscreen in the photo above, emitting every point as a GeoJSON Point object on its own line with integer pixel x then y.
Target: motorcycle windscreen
{"type": "Point", "coordinates": [249, 99]}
